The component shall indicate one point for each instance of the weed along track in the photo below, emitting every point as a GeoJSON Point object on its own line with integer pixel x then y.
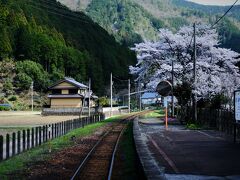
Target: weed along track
{"type": "Point", "coordinates": [88, 157]}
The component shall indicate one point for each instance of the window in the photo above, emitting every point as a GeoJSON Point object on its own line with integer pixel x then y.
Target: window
{"type": "Point", "coordinates": [56, 91]}
{"type": "Point", "coordinates": [73, 91]}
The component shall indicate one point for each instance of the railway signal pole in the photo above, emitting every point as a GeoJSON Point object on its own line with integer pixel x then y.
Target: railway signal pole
{"type": "Point", "coordinates": [111, 101]}
{"type": "Point", "coordinates": [129, 96]}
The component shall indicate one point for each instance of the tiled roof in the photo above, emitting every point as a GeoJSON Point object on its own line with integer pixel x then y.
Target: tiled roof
{"type": "Point", "coordinates": [71, 81]}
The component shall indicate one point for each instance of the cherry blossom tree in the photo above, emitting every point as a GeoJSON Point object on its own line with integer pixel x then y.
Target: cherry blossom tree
{"type": "Point", "coordinates": [216, 67]}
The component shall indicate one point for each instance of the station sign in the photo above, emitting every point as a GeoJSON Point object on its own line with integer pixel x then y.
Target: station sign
{"type": "Point", "coordinates": [237, 105]}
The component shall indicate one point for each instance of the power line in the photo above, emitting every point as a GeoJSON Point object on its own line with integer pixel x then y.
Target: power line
{"type": "Point", "coordinates": [57, 12]}
{"type": "Point", "coordinates": [61, 7]}
{"type": "Point", "coordinates": [224, 14]}
{"type": "Point", "coordinates": [119, 79]}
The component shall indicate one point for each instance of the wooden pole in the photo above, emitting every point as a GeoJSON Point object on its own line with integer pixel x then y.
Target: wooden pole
{"type": "Point", "coordinates": [111, 96]}
{"type": "Point", "coordinates": [89, 98]}
{"type": "Point", "coordinates": [129, 98]}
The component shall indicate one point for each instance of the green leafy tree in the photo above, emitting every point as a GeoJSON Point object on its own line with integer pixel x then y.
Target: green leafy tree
{"type": "Point", "coordinates": [28, 70]}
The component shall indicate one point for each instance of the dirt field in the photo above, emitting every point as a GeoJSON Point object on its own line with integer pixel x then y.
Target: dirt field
{"type": "Point", "coordinates": [12, 121]}
{"type": "Point", "coordinates": [23, 119]}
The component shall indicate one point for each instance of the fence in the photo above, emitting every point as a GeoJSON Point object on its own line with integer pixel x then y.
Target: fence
{"type": "Point", "coordinates": [69, 111]}
{"type": "Point", "coordinates": [220, 119]}
{"type": "Point", "coordinates": [27, 139]}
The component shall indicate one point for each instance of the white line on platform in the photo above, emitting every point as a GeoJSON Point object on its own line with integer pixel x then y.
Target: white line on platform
{"type": "Point", "coordinates": [169, 161]}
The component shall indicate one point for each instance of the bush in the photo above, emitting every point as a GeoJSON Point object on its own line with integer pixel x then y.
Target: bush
{"type": "Point", "coordinates": [8, 87]}
{"type": "Point", "coordinates": [103, 101]}
{"type": "Point", "coordinates": [23, 81]}
{"type": "Point", "coordinates": [4, 108]}
{"type": "Point", "coordinates": [12, 98]}
{"type": "Point", "coordinates": [193, 126]}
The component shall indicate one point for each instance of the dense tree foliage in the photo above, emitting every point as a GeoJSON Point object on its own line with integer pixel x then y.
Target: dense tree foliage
{"type": "Point", "coordinates": [57, 42]}
{"type": "Point", "coordinates": [216, 68]}
{"type": "Point", "coordinates": [132, 21]}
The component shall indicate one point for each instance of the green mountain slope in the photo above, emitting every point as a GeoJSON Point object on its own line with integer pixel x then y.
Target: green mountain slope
{"type": "Point", "coordinates": [61, 41]}
{"type": "Point", "coordinates": [135, 20]}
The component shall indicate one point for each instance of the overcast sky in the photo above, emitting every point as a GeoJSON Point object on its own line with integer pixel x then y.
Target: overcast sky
{"type": "Point", "coordinates": [215, 2]}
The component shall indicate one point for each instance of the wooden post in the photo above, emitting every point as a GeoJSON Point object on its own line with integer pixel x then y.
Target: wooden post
{"type": "Point", "coordinates": [52, 131]}
{"type": "Point", "coordinates": [24, 140]}
{"type": "Point", "coordinates": [1, 148]}
{"type": "Point", "coordinates": [13, 144]}
{"type": "Point", "coordinates": [32, 144]}
{"type": "Point", "coordinates": [18, 142]}
{"type": "Point", "coordinates": [55, 130]}
{"type": "Point", "coordinates": [62, 125]}
{"type": "Point", "coordinates": [28, 139]}
{"type": "Point", "coordinates": [7, 146]}
{"type": "Point", "coordinates": [36, 136]}
{"type": "Point", "coordinates": [40, 135]}
{"type": "Point", "coordinates": [44, 133]}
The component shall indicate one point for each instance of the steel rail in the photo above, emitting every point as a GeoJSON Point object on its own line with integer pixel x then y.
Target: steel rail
{"type": "Point", "coordinates": [81, 166]}
{"type": "Point", "coordinates": [88, 155]}
{"type": "Point", "coordinates": [113, 154]}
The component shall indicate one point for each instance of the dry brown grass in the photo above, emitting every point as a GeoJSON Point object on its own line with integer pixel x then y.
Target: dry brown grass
{"type": "Point", "coordinates": [22, 119]}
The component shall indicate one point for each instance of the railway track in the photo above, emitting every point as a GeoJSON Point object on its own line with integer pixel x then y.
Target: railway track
{"type": "Point", "coordinates": [98, 163]}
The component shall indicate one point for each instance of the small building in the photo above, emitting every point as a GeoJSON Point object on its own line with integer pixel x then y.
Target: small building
{"type": "Point", "coordinates": [150, 98]}
{"type": "Point", "coordinates": [68, 93]}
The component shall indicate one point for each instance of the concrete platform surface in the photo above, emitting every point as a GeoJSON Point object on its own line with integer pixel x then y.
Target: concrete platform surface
{"type": "Point", "coordinates": [193, 154]}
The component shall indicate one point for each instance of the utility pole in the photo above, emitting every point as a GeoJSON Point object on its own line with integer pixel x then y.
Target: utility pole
{"type": "Point", "coordinates": [111, 84]}
{"type": "Point", "coordinates": [129, 98]}
{"type": "Point", "coordinates": [139, 93]}
{"type": "Point", "coordinates": [89, 97]}
{"type": "Point", "coordinates": [194, 74]}
{"type": "Point", "coordinates": [32, 94]}
{"type": "Point", "coordinates": [172, 88]}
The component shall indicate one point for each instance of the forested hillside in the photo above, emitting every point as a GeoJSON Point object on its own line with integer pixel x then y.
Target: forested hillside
{"type": "Point", "coordinates": [42, 41]}
{"type": "Point", "coordinates": [135, 20]}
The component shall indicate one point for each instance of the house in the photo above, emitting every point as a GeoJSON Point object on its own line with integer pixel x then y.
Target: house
{"type": "Point", "coordinates": [68, 93]}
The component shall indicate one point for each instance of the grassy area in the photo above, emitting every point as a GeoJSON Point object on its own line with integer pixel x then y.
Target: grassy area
{"type": "Point", "coordinates": [41, 153]}
{"type": "Point", "coordinates": [154, 114]}
{"type": "Point", "coordinates": [130, 166]}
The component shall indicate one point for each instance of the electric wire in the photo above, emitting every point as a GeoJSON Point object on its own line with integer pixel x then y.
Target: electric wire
{"type": "Point", "coordinates": [61, 7]}
{"type": "Point", "coordinates": [119, 79]}
{"type": "Point", "coordinates": [224, 14]}
{"type": "Point", "coordinates": [57, 12]}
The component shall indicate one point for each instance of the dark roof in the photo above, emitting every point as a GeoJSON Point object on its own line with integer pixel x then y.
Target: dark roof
{"type": "Point", "coordinates": [71, 81]}
{"type": "Point", "coordinates": [65, 96]}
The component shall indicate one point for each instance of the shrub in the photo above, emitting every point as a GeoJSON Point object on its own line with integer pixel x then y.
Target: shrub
{"type": "Point", "coordinates": [12, 98]}
{"type": "Point", "coordinates": [4, 108]}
